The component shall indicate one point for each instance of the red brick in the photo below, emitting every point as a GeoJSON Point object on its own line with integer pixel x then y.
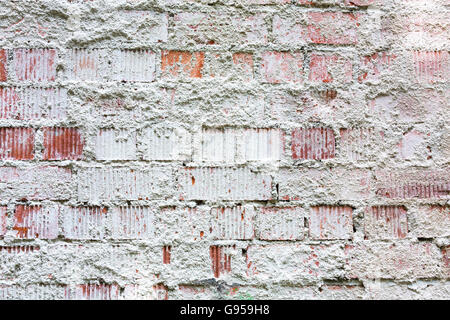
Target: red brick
{"type": "Point", "coordinates": [17, 143]}
{"type": "Point", "coordinates": [224, 184]}
{"type": "Point", "coordinates": [3, 217]}
{"type": "Point", "coordinates": [360, 3]}
{"type": "Point", "coordinates": [385, 222]}
{"type": "Point", "coordinates": [3, 65]}
{"type": "Point", "coordinates": [375, 65]}
{"type": "Point", "coordinates": [18, 249]}
{"type": "Point", "coordinates": [180, 64]}
{"type": "Point", "coordinates": [166, 254]}
{"type": "Point", "coordinates": [333, 27]}
{"type": "Point", "coordinates": [279, 67]}
{"type": "Point", "coordinates": [327, 68]}
{"type": "Point", "coordinates": [23, 103]}
{"type": "Point", "coordinates": [313, 143]}
{"type": "Point", "coordinates": [409, 184]}
{"type": "Point", "coordinates": [233, 223]}
{"type": "Point", "coordinates": [32, 222]}
{"type": "Point", "coordinates": [35, 64]}
{"type": "Point", "coordinates": [331, 222]}
{"type": "Point", "coordinates": [132, 222]}
{"type": "Point", "coordinates": [220, 259]}
{"type": "Point", "coordinates": [62, 144]}
{"type": "Point", "coordinates": [431, 66]}
{"type": "Point", "coordinates": [94, 292]}
{"type": "Point", "coordinates": [85, 222]}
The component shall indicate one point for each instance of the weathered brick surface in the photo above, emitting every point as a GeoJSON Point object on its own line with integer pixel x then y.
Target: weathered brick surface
{"type": "Point", "coordinates": [224, 149]}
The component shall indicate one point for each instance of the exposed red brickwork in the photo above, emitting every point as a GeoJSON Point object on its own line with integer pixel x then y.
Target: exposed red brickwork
{"type": "Point", "coordinates": [221, 260]}
{"type": "Point", "coordinates": [17, 143]}
{"type": "Point", "coordinates": [166, 254]}
{"type": "Point", "coordinates": [386, 222]}
{"type": "Point", "coordinates": [327, 68]}
{"type": "Point", "coordinates": [182, 64]}
{"type": "Point", "coordinates": [3, 217]}
{"type": "Point", "coordinates": [18, 249]}
{"type": "Point", "coordinates": [331, 222]}
{"type": "Point", "coordinates": [3, 65]}
{"type": "Point", "coordinates": [63, 144]}
{"type": "Point", "coordinates": [422, 184]}
{"type": "Point", "coordinates": [32, 222]}
{"type": "Point", "coordinates": [431, 66]}
{"type": "Point", "coordinates": [314, 143]}
{"type": "Point", "coordinates": [35, 64]}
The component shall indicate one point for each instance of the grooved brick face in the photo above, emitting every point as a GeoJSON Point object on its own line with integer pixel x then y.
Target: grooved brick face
{"type": "Point", "coordinates": [315, 143]}
{"type": "Point", "coordinates": [217, 149]}
{"type": "Point", "coordinates": [3, 65]}
{"type": "Point", "coordinates": [32, 222]}
{"type": "Point", "coordinates": [63, 144]}
{"type": "Point", "coordinates": [331, 222]}
{"type": "Point", "coordinates": [35, 64]}
{"type": "Point", "coordinates": [3, 220]}
{"type": "Point", "coordinates": [17, 143]}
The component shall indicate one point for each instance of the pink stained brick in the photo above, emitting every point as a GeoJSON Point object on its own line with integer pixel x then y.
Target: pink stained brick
{"type": "Point", "coordinates": [17, 143]}
{"type": "Point", "coordinates": [314, 143]}
{"type": "Point", "coordinates": [326, 68]}
{"type": "Point", "coordinates": [412, 184]}
{"type": "Point", "coordinates": [32, 222]}
{"type": "Point", "coordinates": [180, 64]}
{"type": "Point", "coordinates": [233, 223]}
{"type": "Point", "coordinates": [385, 222]}
{"type": "Point", "coordinates": [334, 28]}
{"type": "Point", "coordinates": [63, 144]}
{"type": "Point", "coordinates": [431, 66]}
{"type": "Point", "coordinates": [94, 292]}
{"type": "Point", "coordinates": [375, 65]}
{"type": "Point", "coordinates": [220, 260]}
{"type": "Point", "coordinates": [3, 217]}
{"type": "Point", "coordinates": [331, 222]}
{"type": "Point", "coordinates": [213, 183]}
{"type": "Point", "coordinates": [37, 65]}
{"type": "Point", "coordinates": [3, 65]}
{"type": "Point", "coordinates": [166, 254]}
{"type": "Point", "coordinates": [24, 103]}
{"type": "Point", "coordinates": [280, 67]}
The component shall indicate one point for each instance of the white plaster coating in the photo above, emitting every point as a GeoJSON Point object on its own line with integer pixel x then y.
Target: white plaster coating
{"type": "Point", "coordinates": [176, 150]}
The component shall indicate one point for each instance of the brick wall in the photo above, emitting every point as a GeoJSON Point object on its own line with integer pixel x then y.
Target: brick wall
{"type": "Point", "coordinates": [226, 149]}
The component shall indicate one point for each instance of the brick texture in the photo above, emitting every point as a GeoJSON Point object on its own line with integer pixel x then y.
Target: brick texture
{"type": "Point", "coordinates": [224, 149]}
